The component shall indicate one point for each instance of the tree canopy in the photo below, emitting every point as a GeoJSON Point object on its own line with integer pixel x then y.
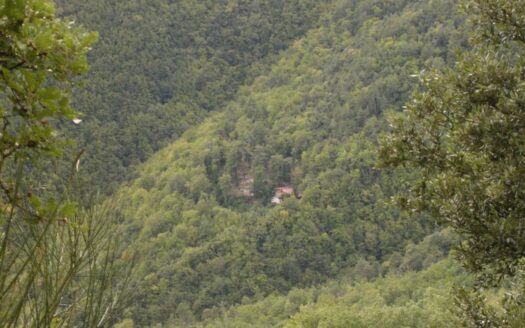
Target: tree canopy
{"type": "Point", "coordinates": [161, 66]}
{"type": "Point", "coordinates": [246, 132]}
{"type": "Point", "coordinates": [311, 121]}
{"type": "Point", "coordinates": [465, 130]}
{"type": "Point", "coordinates": [51, 248]}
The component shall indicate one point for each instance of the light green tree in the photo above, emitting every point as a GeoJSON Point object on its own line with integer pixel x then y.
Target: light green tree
{"type": "Point", "coordinates": [56, 258]}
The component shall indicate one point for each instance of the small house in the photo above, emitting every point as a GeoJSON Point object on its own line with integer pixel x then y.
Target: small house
{"type": "Point", "coordinates": [280, 192]}
{"type": "Point", "coordinates": [284, 191]}
{"type": "Point", "coordinates": [276, 201]}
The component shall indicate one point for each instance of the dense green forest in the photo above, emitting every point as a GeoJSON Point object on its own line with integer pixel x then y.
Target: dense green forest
{"type": "Point", "coordinates": [262, 163]}
{"type": "Point", "coordinates": [310, 122]}
{"type": "Point", "coordinates": [160, 66]}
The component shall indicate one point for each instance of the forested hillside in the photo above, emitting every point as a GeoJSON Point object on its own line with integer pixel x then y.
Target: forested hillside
{"type": "Point", "coordinates": [399, 299]}
{"type": "Point", "coordinates": [262, 163]}
{"type": "Point", "coordinates": [160, 66]}
{"type": "Point", "coordinates": [200, 213]}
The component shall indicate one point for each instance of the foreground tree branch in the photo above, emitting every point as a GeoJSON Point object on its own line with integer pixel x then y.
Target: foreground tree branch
{"type": "Point", "coordinates": [59, 262]}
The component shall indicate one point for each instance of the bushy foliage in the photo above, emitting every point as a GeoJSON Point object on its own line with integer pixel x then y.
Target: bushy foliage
{"type": "Point", "coordinates": [464, 132]}
{"type": "Point", "coordinates": [413, 300]}
{"type": "Point", "coordinates": [56, 259]}
{"type": "Point", "coordinates": [398, 297]}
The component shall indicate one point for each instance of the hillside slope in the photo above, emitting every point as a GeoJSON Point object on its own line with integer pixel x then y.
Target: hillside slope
{"type": "Point", "coordinates": [200, 215]}
{"type": "Point", "coordinates": [401, 297]}
{"type": "Point", "coordinates": [160, 66]}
